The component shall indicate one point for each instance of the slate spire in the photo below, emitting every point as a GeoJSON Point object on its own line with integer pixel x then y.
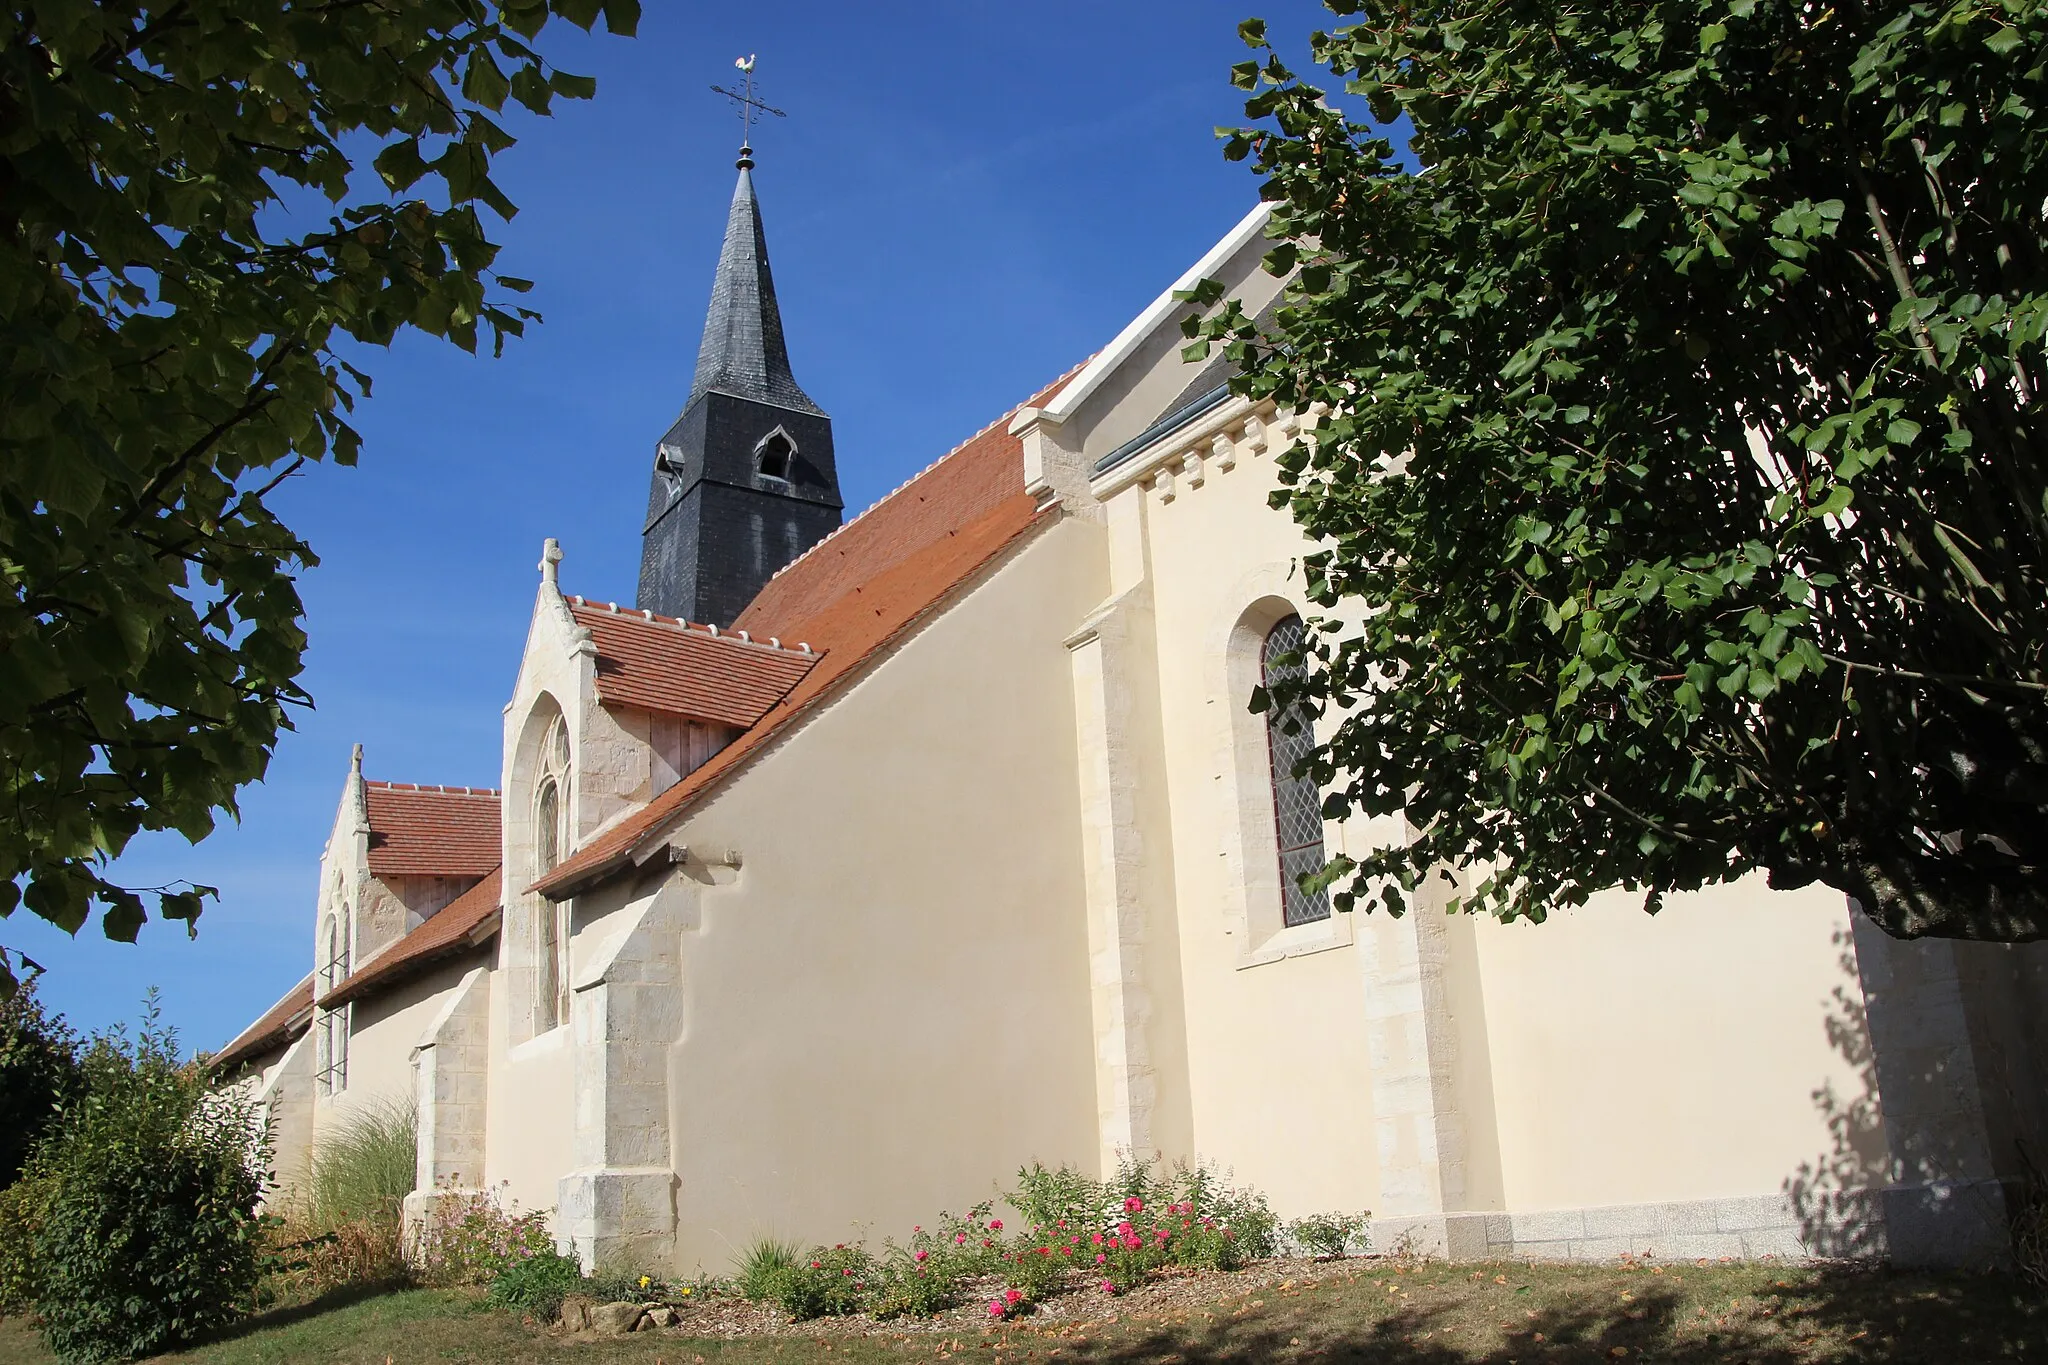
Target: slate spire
{"type": "Point", "coordinates": [743, 353]}
{"type": "Point", "coordinates": [745, 480]}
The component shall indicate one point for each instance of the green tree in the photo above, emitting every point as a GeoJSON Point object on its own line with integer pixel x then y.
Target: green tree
{"type": "Point", "coordinates": [39, 1074]}
{"type": "Point", "coordinates": [187, 251]}
{"type": "Point", "coordinates": [1684, 456]}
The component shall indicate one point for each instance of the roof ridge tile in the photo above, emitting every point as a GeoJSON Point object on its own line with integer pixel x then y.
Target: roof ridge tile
{"type": "Point", "coordinates": [848, 524]}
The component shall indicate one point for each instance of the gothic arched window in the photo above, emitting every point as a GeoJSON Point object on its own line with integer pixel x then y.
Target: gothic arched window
{"type": "Point", "coordinates": [1297, 803]}
{"type": "Point", "coordinates": [775, 454]}
{"type": "Point", "coordinates": [332, 1040]}
{"type": "Point", "coordinates": [550, 991]}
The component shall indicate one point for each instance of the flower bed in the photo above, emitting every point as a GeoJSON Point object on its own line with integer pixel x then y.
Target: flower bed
{"type": "Point", "coordinates": [1074, 1236]}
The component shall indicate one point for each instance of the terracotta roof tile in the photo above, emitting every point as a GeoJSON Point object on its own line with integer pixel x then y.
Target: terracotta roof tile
{"type": "Point", "coordinates": [969, 480]}
{"type": "Point", "coordinates": [850, 597]}
{"type": "Point", "coordinates": [658, 663]}
{"type": "Point", "coordinates": [420, 831]}
{"type": "Point", "coordinates": [467, 921]}
{"type": "Point", "coordinates": [280, 1024]}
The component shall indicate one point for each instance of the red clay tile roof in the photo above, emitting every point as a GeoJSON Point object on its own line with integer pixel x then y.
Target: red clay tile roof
{"type": "Point", "coordinates": [658, 663]}
{"type": "Point", "coordinates": [420, 831]}
{"type": "Point", "coordinates": [280, 1024]}
{"type": "Point", "coordinates": [469, 920]}
{"type": "Point", "coordinates": [850, 596]}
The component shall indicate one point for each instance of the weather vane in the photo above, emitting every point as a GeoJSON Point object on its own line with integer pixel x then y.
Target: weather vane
{"type": "Point", "coordinates": [749, 107]}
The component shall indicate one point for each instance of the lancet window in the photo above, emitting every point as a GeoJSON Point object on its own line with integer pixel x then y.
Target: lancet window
{"type": "Point", "coordinates": [550, 838]}
{"type": "Point", "coordinates": [331, 1043]}
{"type": "Point", "coordinates": [1297, 802]}
{"type": "Point", "coordinates": [775, 454]}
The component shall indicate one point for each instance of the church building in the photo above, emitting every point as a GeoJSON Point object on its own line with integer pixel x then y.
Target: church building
{"type": "Point", "coordinates": [859, 862]}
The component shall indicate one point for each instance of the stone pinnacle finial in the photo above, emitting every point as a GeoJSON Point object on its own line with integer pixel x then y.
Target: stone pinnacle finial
{"type": "Point", "coordinates": [550, 559]}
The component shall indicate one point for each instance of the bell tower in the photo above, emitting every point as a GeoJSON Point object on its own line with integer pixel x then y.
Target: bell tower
{"type": "Point", "coordinates": [744, 481]}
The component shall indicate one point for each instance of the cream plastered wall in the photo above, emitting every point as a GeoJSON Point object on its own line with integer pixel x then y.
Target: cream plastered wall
{"type": "Point", "coordinates": [1279, 1072]}
{"type": "Point", "coordinates": [1414, 1066]}
{"type": "Point", "coordinates": [383, 1030]}
{"type": "Point", "coordinates": [886, 1009]}
{"type": "Point", "coordinates": [529, 1129]}
{"type": "Point", "coordinates": [1640, 1059]}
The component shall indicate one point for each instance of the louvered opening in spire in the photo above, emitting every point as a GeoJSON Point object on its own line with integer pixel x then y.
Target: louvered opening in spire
{"type": "Point", "coordinates": [743, 352]}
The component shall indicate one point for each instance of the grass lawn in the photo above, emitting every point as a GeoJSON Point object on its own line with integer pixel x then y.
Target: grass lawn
{"type": "Point", "coordinates": [1362, 1310]}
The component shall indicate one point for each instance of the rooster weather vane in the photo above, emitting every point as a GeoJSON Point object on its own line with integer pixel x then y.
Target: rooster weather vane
{"type": "Point", "coordinates": [750, 108]}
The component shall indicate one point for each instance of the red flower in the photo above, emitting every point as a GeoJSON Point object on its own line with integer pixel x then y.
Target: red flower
{"type": "Point", "coordinates": [994, 1225]}
{"type": "Point", "coordinates": [1012, 1295]}
{"type": "Point", "coordinates": [1096, 1240]}
{"type": "Point", "coordinates": [1134, 1205]}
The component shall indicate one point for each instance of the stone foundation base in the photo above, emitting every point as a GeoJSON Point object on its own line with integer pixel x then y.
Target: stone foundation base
{"type": "Point", "coordinates": [619, 1219]}
{"type": "Point", "coordinates": [1947, 1223]}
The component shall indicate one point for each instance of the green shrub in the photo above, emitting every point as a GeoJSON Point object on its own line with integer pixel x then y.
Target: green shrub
{"type": "Point", "coordinates": [1039, 1265]}
{"type": "Point", "coordinates": [1329, 1236]}
{"type": "Point", "coordinates": [149, 1235]}
{"type": "Point", "coordinates": [1047, 1198]}
{"type": "Point", "coordinates": [830, 1282]}
{"type": "Point", "coordinates": [39, 1074]}
{"type": "Point", "coordinates": [538, 1284]}
{"type": "Point", "coordinates": [364, 1168]}
{"type": "Point", "coordinates": [471, 1237]}
{"type": "Point", "coordinates": [616, 1284]}
{"type": "Point", "coordinates": [914, 1281]}
{"type": "Point", "coordinates": [22, 1207]}
{"type": "Point", "coordinates": [1241, 1217]}
{"type": "Point", "coordinates": [762, 1267]}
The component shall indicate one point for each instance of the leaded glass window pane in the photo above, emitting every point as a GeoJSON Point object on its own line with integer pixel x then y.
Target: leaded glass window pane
{"type": "Point", "coordinates": [547, 951]}
{"type": "Point", "coordinates": [1297, 803]}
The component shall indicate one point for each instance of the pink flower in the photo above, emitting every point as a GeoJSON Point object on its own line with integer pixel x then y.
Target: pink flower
{"type": "Point", "coordinates": [1134, 1205]}
{"type": "Point", "coordinates": [817, 1265]}
{"type": "Point", "coordinates": [1100, 1258]}
{"type": "Point", "coordinates": [996, 1309]}
{"type": "Point", "coordinates": [1012, 1295]}
{"type": "Point", "coordinates": [1108, 1288]}
{"type": "Point", "coordinates": [1063, 1222]}
{"type": "Point", "coordinates": [959, 1238]}
{"type": "Point", "coordinates": [1096, 1240]}
{"type": "Point", "coordinates": [1133, 1242]}
{"type": "Point", "coordinates": [994, 1225]}
{"type": "Point", "coordinates": [846, 1272]}
{"type": "Point", "coordinates": [1124, 1227]}
{"type": "Point", "coordinates": [920, 1256]}
{"type": "Point", "coordinates": [986, 1242]}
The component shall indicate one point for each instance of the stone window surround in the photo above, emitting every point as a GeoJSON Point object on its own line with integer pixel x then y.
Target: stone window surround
{"type": "Point", "coordinates": [337, 929]}
{"type": "Point", "coordinates": [520, 939]}
{"type": "Point", "coordinates": [1252, 908]}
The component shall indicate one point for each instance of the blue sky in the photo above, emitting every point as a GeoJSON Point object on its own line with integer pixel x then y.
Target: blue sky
{"type": "Point", "coordinates": [965, 200]}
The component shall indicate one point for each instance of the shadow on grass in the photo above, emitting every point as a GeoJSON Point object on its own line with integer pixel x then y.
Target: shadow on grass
{"type": "Point", "coordinates": [286, 1315]}
{"type": "Point", "coordinates": [1845, 1315]}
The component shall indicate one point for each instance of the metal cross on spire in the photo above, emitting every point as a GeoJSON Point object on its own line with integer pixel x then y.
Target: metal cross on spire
{"type": "Point", "coordinates": [749, 107]}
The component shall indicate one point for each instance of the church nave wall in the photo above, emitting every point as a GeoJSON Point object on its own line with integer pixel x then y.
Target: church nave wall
{"type": "Point", "coordinates": [885, 1009]}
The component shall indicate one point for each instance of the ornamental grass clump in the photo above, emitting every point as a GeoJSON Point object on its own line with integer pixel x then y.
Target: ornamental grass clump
{"type": "Point", "coordinates": [762, 1267]}
{"type": "Point", "coordinates": [364, 1167]}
